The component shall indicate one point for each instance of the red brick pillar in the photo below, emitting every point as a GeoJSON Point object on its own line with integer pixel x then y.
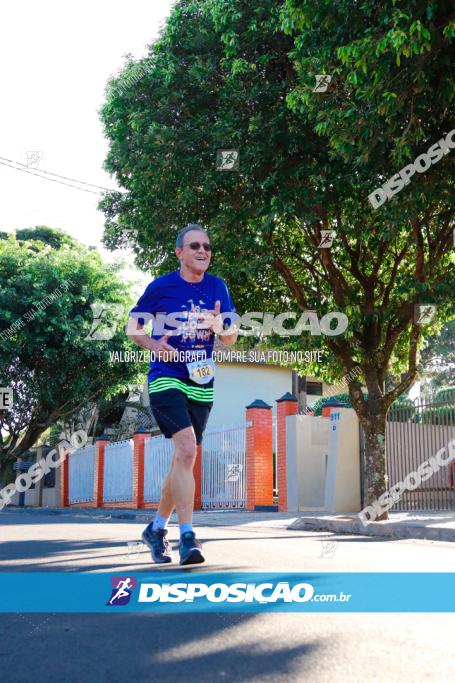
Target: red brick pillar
{"type": "Point", "coordinates": [98, 484]}
{"type": "Point", "coordinates": [197, 471]}
{"type": "Point", "coordinates": [286, 405]}
{"type": "Point", "coordinates": [64, 481]}
{"type": "Point", "coordinates": [138, 468]}
{"type": "Point", "coordinates": [259, 456]}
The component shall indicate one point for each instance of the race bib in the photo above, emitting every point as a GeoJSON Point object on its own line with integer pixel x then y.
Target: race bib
{"type": "Point", "coordinates": [201, 371]}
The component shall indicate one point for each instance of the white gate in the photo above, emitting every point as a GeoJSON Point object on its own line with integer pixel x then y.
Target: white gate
{"type": "Point", "coordinates": [224, 468]}
{"type": "Point", "coordinates": [118, 472]}
{"type": "Point", "coordinates": [157, 461]}
{"type": "Point", "coordinates": [81, 477]}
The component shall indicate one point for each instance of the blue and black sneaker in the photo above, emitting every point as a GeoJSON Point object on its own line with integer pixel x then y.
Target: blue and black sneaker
{"type": "Point", "coordinates": [158, 544]}
{"type": "Point", "coordinates": [190, 549]}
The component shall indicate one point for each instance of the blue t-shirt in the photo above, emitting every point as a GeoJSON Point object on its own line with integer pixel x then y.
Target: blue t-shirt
{"type": "Point", "coordinates": [171, 294]}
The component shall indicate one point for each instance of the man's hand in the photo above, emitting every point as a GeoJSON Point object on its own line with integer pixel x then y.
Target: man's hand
{"type": "Point", "coordinates": [211, 320]}
{"type": "Point", "coordinates": [162, 349]}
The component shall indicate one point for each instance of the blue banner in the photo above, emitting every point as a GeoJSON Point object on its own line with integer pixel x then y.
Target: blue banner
{"type": "Point", "coordinates": [196, 591]}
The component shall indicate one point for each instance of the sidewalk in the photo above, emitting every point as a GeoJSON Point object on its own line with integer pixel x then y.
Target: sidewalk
{"type": "Point", "coordinates": [431, 526]}
{"type": "Point", "coordinates": [208, 518]}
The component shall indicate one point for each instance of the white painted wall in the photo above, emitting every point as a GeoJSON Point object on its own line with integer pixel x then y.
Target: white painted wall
{"type": "Point", "coordinates": [239, 384]}
{"type": "Point", "coordinates": [311, 442]}
{"type": "Point", "coordinates": [307, 440]}
{"type": "Point", "coordinates": [342, 491]}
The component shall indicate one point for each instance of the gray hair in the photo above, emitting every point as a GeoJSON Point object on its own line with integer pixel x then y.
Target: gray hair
{"type": "Point", "coordinates": [188, 228]}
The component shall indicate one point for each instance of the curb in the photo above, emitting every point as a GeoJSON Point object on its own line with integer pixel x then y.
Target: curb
{"type": "Point", "coordinates": [101, 513]}
{"type": "Point", "coordinates": [106, 514]}
{"type": "Point", "coordinates": [388, 529]}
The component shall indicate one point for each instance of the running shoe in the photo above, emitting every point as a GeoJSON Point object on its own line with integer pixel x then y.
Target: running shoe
{"type": "Point", "coordinates": [190, 549]}
{"type": "Point", "coordinates": [158, 544]}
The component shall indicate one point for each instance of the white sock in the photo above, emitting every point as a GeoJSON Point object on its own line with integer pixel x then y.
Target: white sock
{"type": "Point", "coordinates": [159, 522]}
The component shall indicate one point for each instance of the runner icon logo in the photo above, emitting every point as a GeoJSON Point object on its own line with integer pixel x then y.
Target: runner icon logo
{"type": "Point", "coordinates": [122, 587]}
{"type": "Point", "coordinates": [234, 471]}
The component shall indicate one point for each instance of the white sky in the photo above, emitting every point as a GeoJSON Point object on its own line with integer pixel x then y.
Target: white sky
{"type": "Point", "coordinates": [55, 59]}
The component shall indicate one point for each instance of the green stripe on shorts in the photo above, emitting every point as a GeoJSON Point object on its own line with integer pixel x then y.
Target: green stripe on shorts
{"type": "Point", "coordinates": [202, 394]}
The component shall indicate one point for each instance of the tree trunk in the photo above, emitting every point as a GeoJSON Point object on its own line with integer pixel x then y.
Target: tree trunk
{"type": "Point", "coordinates": [376, 480]}
{"type": "Point", "coordinates": [5, 471]}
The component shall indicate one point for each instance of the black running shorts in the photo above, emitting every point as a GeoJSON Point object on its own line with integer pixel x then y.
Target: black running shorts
{"type": "Point", "coordinates": [174, 411]}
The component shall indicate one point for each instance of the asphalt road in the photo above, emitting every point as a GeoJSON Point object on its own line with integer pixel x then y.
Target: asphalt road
{"type": "Point", "coordinates": [214, 646]}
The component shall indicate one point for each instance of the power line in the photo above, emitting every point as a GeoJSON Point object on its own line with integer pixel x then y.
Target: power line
{"type": "Point", "coordinates": [57, 175]}
{"type": "Point", "coordinates": [83, 189]}
{"type": "Point", "coordinates": [38, 173]}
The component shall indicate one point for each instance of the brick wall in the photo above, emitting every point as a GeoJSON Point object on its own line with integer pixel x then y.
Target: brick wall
{"type": "Point", "coordinates": [286, 405]}
{"type": "Point", "coordinates": [259, 456]}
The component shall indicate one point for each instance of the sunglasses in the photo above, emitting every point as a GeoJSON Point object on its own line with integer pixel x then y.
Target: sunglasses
{"type": "Point", "coordinates": [197, 245]}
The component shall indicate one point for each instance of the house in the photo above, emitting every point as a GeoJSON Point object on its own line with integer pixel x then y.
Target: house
{"type": "Point", "coordinates": [239, 383]}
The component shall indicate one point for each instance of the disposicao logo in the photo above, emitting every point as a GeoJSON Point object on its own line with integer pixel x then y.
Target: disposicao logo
{"type": "Point", "coordinates": [222, 592]}
{"type": "Point", "coordinates": [421, 164]}
{"type": "Point", "coordinates": [122, 587]}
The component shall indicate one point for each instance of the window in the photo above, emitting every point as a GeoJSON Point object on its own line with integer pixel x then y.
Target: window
{"type": "Point", "coordinates": [314, 388]}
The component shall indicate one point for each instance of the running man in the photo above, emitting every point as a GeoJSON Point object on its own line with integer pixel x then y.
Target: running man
{"type": "Point", "coordinates": [122, 590]}
{"type": "Point", "coordinates": [181, 387]}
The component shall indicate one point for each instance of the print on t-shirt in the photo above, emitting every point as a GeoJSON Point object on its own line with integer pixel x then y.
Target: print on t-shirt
{"type": "Point", "coordinates": [191, 314]}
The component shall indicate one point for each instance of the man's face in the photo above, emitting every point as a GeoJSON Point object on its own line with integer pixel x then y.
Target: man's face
{"type": "Point", "coordinates": [196, 259]}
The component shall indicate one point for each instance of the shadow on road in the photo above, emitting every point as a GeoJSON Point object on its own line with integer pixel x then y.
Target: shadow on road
{"type": "Point", "coordinates": [203, 647]}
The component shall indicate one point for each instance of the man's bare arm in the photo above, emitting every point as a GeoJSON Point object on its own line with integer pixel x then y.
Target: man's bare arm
{"type": "Point", "coordinates": [146, 342]}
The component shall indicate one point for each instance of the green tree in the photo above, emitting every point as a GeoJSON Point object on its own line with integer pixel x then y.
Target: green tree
{"type": "Point", "coordinates": [438, 357]}
{"type": "Point", "coordinates": [48, 358]}
{"type": "Point", "coordinates": [44, 235]}
{"type": "Point", "coordinates": [237, 74]}
{"type": "Point", "coordinates": [51, 236]}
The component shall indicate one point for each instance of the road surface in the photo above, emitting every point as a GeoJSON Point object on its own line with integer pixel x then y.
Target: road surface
{"type": "Point", "coordinates": [219, 647]}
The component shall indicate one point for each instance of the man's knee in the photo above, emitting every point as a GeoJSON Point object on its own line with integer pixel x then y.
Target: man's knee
{"type": "Point", "coordinates": [186, 453]}
{"type": "Point", "coordinates": [187, 458]}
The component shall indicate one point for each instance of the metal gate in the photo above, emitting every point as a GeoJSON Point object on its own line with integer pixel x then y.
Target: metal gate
{"type": "Point", "coordinates": [118, 472]}
{"type": "Point", "coordinates": [81, 475]}
{"type": "Point", "coordinates": [224, 468]}
{"type": "Point", "coordinates": [416, 431]}
{"type": "Point", "coordinates": [158, 453]}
